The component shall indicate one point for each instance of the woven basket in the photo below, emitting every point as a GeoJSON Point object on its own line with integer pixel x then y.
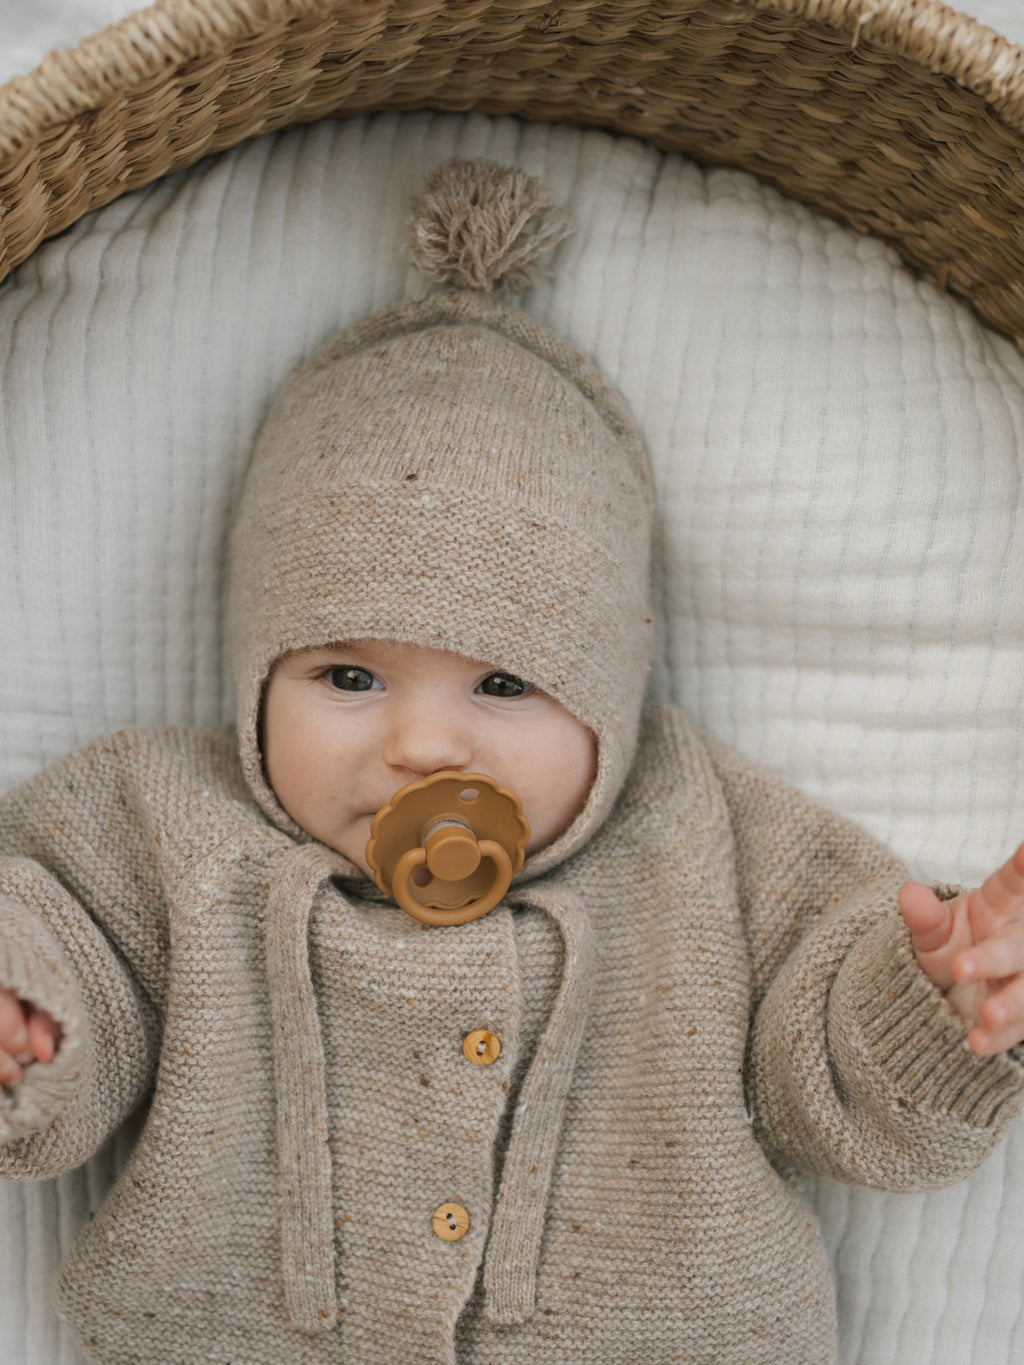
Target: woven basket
{"type": "Point", "coordinates": [900, 117]}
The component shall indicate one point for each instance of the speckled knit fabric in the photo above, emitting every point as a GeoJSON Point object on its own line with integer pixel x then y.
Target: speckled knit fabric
{"type": "Point", "coordinates": [753, 1003]}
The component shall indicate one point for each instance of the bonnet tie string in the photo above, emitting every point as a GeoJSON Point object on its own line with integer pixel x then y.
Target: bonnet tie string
{"type": "Point", "coordinates": [513, 1248]}
{"type": "Point", "coordinates": [307, 1216]}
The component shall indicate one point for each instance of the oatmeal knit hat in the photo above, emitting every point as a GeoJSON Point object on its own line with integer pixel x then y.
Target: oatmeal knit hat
{"type": "Point", "coordinates": [449, 473]}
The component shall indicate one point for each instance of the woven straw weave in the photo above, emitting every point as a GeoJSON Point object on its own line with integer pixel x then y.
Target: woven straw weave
{"type": "Point", "coordinates": [898, 116]}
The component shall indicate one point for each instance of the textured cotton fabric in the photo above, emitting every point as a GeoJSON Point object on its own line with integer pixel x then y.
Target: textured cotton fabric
{"type": "Point", "coordinates": [753, 999]}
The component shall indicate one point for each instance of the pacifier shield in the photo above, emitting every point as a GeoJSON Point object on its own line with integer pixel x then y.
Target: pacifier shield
{"type": "Point", "coordinates": [447, 847]}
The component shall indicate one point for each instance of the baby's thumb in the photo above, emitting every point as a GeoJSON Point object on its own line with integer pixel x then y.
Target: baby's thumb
{"type": "Point", "coordinates": [929, 920]}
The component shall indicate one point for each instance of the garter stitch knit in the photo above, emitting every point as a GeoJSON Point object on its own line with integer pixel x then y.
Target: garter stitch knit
{"type": "Point", "coordinates": [754, 1008]}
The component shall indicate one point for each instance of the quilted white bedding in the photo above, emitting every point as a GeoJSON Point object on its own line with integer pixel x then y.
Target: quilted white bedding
{"type": "Point", "coordinates": [837, 448]}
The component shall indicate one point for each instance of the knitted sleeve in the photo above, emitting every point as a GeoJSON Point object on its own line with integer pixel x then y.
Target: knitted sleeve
{"type": "Point", "coordinates": [82, 933]}
{"type": "Point", "coordinates": [856, 1066]}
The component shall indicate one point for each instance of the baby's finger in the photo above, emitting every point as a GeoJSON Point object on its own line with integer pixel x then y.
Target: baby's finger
{"type": "Point", "coordinates": [1001, 1021]}
{"type": "Point", "coordinates": [995, 959]}
{"type": "Point", "coordinates": [43, 1035]}
{"type": "Point", "coordinates": [10, 1071]}
{"type": "Point", "coordinates": [1002, 894]}
{"type": "Point", "coordinates": [929, 920]}
{"type": "Point", "coordinates": [13, 1033]}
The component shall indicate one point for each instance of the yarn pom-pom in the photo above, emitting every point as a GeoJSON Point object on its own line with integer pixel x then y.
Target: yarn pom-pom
{"type": "Point", "coordinates": [482, 226]}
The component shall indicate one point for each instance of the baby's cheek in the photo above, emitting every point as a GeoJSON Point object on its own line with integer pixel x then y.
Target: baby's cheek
{"type": "Point", "coordinates": [566, 775]}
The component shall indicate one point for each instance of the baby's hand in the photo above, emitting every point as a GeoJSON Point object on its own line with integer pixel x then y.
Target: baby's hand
{"type": "Point", "coordinates": [972, 947]}
{"type": "Point", "coordinates": [27, 1035]}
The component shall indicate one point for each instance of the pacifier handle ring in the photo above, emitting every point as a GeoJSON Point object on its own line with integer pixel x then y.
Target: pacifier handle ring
{"type": "Point", "coordinates": [451, 821]}
{"type": "Point", "coordinates": [417, 857]}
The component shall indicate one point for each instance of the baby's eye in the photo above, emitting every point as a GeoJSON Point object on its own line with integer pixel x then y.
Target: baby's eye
{"type": "Point", "coordinates": [504, 685]}
{"type": "Point", "coordinates": [349, 678]}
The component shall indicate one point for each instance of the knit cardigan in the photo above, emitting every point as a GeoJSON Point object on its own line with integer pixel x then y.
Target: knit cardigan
{"type": "Point", "coordinates": [714, 995]}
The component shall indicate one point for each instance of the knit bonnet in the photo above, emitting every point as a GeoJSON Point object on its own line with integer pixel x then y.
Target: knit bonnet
{"type": "Point", "coordinates": [448, 473]}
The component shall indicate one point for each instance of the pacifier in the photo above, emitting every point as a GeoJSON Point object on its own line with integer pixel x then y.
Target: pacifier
{"type": "Point", "coordinates": [447, 847]}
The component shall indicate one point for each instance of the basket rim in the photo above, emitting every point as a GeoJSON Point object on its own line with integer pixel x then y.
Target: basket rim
{"type": "Point", "coordinates": [72, 82]}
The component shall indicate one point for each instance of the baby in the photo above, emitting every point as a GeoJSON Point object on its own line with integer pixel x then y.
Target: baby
{"type": "Point", "coordinates": [564, 1130]}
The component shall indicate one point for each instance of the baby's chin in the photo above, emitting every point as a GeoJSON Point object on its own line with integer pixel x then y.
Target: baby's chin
{"type": "Point", "coordinates": [354, 849]}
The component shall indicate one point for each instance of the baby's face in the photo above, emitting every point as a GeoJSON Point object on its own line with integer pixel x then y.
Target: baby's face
{"type": "Point", "coordinates": [343, 728]}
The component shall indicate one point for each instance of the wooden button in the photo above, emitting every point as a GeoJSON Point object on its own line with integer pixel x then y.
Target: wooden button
{"type": "Point", "coordinates": [481, 1047]}
{"type": "Point", "coordinates": [450, 1222]}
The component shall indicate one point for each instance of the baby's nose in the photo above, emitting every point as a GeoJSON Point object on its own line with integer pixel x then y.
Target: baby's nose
{"type": "Point", "coordinates": [428, 743]}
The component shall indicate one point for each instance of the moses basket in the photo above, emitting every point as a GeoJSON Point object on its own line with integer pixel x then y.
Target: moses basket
{"type": "Point", "coordinates": [897, 118]}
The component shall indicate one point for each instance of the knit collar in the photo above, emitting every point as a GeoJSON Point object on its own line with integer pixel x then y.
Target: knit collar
{"type": "Point", "coordinates": [520, 1205]}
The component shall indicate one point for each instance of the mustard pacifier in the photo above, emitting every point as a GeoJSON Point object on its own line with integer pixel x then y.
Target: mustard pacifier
{"type": "Point", "coordinates": [447, 847]}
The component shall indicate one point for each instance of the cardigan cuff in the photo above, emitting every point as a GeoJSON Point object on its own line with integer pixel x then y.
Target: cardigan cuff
{"type": "Point", "coordinates": [913, 1035]}
{"type": "Point", "coordinates": [32, 965]}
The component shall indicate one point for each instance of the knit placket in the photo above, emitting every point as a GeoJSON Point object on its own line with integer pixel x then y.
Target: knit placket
{"type": "Point", "coordinates": [414, 1125]}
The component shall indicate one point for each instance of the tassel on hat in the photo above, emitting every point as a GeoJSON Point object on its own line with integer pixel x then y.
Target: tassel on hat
{"type": "Point", "coordinates": [483, 226]}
